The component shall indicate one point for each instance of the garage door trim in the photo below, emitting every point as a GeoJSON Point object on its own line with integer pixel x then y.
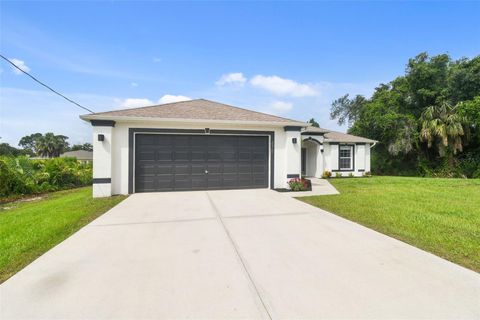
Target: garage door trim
{"type": "Point", "coordinates": [133, 131]}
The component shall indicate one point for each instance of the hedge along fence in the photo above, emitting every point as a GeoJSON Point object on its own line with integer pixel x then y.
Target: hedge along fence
{"type": "Point", "coordinates": [22, 176]}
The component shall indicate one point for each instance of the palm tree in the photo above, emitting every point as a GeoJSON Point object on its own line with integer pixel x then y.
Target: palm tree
{"type": "Point", "coordinates": [444, 128]}
{"type": "Point", "coordinates": [50, 145]}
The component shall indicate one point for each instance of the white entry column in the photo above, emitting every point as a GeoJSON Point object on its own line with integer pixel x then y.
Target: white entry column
{"type": "Point", "coordinates": [102, 157]}
{"type": "Point", "coordinates": [293, 150]}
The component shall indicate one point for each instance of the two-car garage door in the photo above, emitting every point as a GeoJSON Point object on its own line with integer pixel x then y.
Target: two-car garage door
{"type": "Point", "coordinates": [165, 162]}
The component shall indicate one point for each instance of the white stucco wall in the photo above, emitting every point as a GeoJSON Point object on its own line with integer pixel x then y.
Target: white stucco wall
{"type": "Point", "coordinates": [111, 157]}
{"type": "Point", "coordinates": [102, 160]}
{"type": "Point", "coordinates": [362, 159]}
{"type": "Point", "coordinates": [286, 160]}
{"type": "Point", "coordinates": [328, 161]}
{"type": "Point", "coordinates": [292, 155]}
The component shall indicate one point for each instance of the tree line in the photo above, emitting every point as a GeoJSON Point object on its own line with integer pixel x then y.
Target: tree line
{"type": "Point", "coordinates": [46, 145]}
{"type": "Point", "coordinates": [427, 121]}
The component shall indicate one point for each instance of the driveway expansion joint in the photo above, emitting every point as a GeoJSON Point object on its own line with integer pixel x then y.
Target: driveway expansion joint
{"type": "Point", "coordinates": [237, 252]}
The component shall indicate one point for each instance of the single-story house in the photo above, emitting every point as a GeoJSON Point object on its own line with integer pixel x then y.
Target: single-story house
{"type": "Point", "coordinates": [81, 155]}
{"type": "Point", "coordinates": [202, 145]}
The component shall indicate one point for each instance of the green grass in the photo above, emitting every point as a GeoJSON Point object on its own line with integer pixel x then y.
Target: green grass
{"type": "Point", "coordinates": [441, 216]}
{"type": "Point", "coordinates": [28, 229]}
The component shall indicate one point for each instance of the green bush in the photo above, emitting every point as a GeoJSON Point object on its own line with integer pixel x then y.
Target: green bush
{"type": "Point", "coordinates": [21, 175]}
{"type": "Point", "coordinates": [326, 174]}
{"type": "Point", "coordinates": [298, 184]}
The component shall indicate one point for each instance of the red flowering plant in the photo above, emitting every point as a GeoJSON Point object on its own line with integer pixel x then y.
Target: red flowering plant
{"type": "Point", "coordinates": [297, 184]}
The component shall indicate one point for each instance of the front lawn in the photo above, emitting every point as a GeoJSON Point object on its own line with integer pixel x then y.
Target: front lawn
{"type": "Point", "coordinates": [30, 228]}
{"type": "Point", "coordinates": [441, 216]}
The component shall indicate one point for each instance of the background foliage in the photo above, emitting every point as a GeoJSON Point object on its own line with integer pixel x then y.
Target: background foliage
{"type": "Point", "coordinates": [427, 121]}
{"type": "Point", "coordinates": [21, 175]}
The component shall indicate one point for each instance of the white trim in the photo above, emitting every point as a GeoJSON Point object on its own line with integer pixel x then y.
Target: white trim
{"type": "Point", "coordinates": [194, 121]}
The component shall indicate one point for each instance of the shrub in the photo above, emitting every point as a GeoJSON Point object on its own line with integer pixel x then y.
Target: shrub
{"type": "Point", "coordinates": [338, 174]}
{"type": "Point", "coordinates": [298, 184]}
{"type": "Point", "coordinates": [350, 175]}
{"type": "Point", "coordinates": [22, 175]}
{"type": "Point", "coordinates": [476, 174]}
{"type": "Point", "coordinates": [326, 174]}
{"type": "Point", "coordinates": [367, 174]}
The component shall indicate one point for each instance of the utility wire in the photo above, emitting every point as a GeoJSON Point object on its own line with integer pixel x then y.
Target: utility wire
{"type": "Point", "coordinates": [43, 84]}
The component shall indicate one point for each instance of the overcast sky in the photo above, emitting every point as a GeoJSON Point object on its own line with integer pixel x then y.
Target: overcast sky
{"type": "Point", "coordinates": [290, 59]}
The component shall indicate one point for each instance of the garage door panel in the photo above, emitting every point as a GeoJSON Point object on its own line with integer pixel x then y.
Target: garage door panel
{"type": "Point", "coordinates": [229, 168]}
{"type": "Point", "coordinates": [214, 168]}
{"type": "Point", "coordinates": [146, 169]}
{"type": "Point", "coordinates": [198, 168]}
{"type": "Point", "coordinates": [199, 183]}
{"type": "Point", "coordinates": [164, 155]}
{"type": "Point", "coordinates": [244, 180]}
{"type": "Point", "coordinates": [259, 156]}
{"type": "Point", "coordinates": [165, 162]}
{"type": "Point", "coordinates": [244, 155]}
{"type": "Point", "coordinates": [214, 181]}
{"type": "Point", "coordinates": [182, 169]}
{"type": "Point", "coordinates": [164, 169]}
{"type": "Point", "coordinates": [181, 155]}
{"type": "Point", "coordinates": [165, 182]}
{"type": "Point", "coordinates": [198, 155]}
{"type": "Point", "coordinates": [244, 168]}
{"type": "Point", "coordinates": [147, 155]}
{"type": "Point", "coordinates": [259, 169]}
{"type": "Point", "coordinates": [213, 155]}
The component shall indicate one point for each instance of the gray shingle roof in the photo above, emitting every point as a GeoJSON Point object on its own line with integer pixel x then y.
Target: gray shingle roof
{"type": "Point", "coordinates": [79, 154]}
{"type": "Point", "coordinates": [335, 136]}
{"type": "Point", "coordinates": [198, 109]}
{"type": "Point", "coordinates": [315, 130]}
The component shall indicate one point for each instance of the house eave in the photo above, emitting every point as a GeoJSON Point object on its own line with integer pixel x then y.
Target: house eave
{"type": "Point", "coordinates": [89, 118]}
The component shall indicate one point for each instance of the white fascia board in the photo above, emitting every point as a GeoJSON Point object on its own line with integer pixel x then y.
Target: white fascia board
{"type": "Point", "coordinates": [193, 121]}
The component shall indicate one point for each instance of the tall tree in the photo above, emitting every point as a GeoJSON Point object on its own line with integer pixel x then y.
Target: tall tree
{"type": "Point", "coordinates": [86, 146]}
{"type": "Point", "coordinates": [51, 145]}
{"type": "Point", "coordinates": [30, 142]}
{"type": "Point", "coordinates": [444, 128]}
{"type": "Point", "coordinates": [347, 110]}
{"type": "Point", "coordinates": [314, 123]}
{"type": "Point", "coordinates": [435, 103]}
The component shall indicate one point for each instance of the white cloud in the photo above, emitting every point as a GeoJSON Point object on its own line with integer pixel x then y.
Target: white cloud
{"type": "Point", "coordinates": [231, 78]}
{"type": "Point", "coordinates": [143, 102]}
{"type": "Point", "coordinates": [283, 87]}
{"type": "Point", "coordinates": [136, 103]}
{"type": "Point", "coordinates": [168, 98]}
{"type": "Point", "coordinates": [21, 64]}
{"type": "Point", "coordinates": [134, 84]}
{"type": "Point", "coordinates": [282, 106]}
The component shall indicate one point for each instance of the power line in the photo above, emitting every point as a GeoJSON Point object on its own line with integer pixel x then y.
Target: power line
{"type": "Point", "coordinates": [46, 86]}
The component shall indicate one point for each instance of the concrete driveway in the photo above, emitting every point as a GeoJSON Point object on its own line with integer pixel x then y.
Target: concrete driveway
{"type": "Point", "coordinates": [235, 254]}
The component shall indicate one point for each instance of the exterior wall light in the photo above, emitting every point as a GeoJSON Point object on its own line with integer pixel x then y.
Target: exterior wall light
{"type": "Point", "coordinates": [101, 137]}
{"type": "Point", "coordinates": [294, 140]}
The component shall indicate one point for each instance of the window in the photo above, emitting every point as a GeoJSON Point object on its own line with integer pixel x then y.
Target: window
{"type": "Point", "coordinates": [345, 158]}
